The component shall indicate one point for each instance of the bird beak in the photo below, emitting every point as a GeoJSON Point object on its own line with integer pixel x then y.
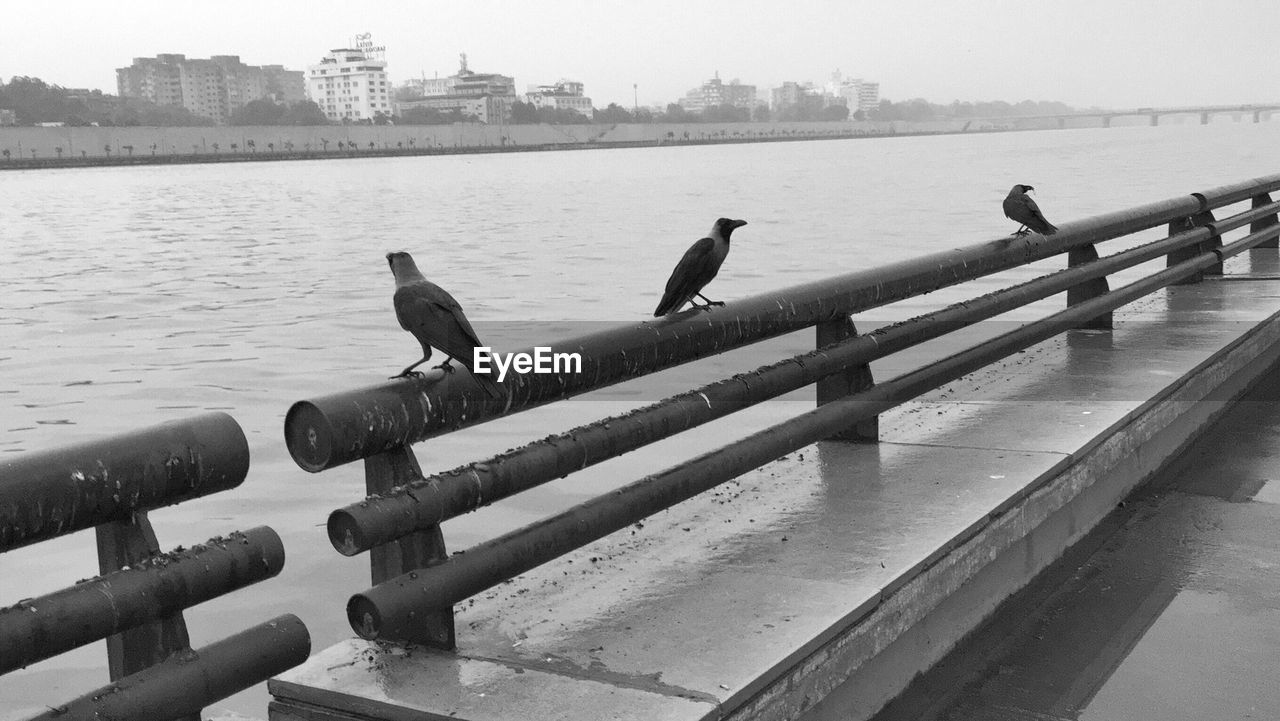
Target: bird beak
{"type": "Point", "coordinates": [739, 223]}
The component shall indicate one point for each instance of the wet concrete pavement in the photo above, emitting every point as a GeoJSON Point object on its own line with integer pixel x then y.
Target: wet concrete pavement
{"type": "Point", "coordinates": [756, 598]}
{"type": "Point", "coordinates": [1169, 610]}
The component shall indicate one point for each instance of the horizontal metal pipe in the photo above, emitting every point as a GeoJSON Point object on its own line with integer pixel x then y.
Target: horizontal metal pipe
{"type": "Point", "coordinates": [1248, 242]}
{"type": "Point", "coordinates": [189, 680]}
{"type": "Point", "coordinates": [1239, 220]}
{"type": "Point", "coordinates": [40, 628]}
{"type": "Point", "coordinates": [417, 506]}
{"type": "Point", "coordinates": [390, 608]}
{"type": "Point", "coordinates": [45, 494]}
{"type": "Point", "coordinates": [1243, 190]}
{"type": "Point", "coordinates": [332, 430]}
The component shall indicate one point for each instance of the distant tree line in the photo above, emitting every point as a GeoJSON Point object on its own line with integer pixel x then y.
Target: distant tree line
{"type": "Point", "coordinates": [809, 109]}
{"type": "Point", "coordinates": [35, 101]}
{"type": "Point", "coordinates": [918, 109]}
{"type": "Point", "coordinates": [265, 111]}
{"type": "Point", "coordinates": [527, 113]}
{"type": "Point", "coordinates": [433, 116]}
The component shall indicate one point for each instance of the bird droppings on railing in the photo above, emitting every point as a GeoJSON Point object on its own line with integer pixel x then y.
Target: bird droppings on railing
{"type": "Point", "coordinates": [627, 352]}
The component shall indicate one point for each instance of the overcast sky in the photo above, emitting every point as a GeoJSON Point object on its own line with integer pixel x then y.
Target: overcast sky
{"type": "Point", "coordinates": [1109, 53]}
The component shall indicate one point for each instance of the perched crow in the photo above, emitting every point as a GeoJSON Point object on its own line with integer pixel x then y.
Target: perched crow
{"type": "Point", "coordinates": [698, 266]}
{"type": "Point", "coordinates": [1020, 207]}
{"type": "Point", "coordinates": [435, 319]}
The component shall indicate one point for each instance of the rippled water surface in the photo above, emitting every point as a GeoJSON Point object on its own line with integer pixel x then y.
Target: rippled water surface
{"type": "Point", "coordinates": [131, 296]}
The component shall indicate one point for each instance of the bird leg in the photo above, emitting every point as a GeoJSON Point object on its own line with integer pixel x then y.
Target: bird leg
{"type": "Point", "coordinates": [1022, 230]}
{"type": "Point", "coordinates": [410, 372]}
{"type": "Point", "coordinates": [709, 301]}
{"type": "Point", "coordinates": [445, 365]}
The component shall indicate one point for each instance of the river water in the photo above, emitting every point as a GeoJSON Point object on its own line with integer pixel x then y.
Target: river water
{"type": "Point", "coordinates": [131, 296]}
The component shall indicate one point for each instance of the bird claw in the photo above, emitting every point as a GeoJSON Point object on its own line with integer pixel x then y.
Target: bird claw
{"type": "Point", "coordinates": [407, 374]}
{"type": "Point", "coordinates": [716, 303]}
{"type": "Point", "coordinates": [445, 367]}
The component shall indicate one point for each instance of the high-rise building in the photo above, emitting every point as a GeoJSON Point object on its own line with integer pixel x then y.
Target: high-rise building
{"type": "Point", "coordinates": [714, 92]}
{"type": "Point", "coordinates": [284, 85]}
{"type": "Point", "coordinates": [563, 95]}
{"type": "Point", "coordinates": [868, 95]}
{"type": "Point", "coordinates": [350, 86]}
{"type": "Point", "coordinates": [858, 94]}
{"type": "Point", "coordinates": [789, 93]}
{"type": "Point", "coordinates": [214, 88]}
{"type": "Point", "coordinates": [158, 79]}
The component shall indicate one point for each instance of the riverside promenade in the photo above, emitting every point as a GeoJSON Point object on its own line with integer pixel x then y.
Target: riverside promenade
{"type": "Point", "coordinates": [825, 580]}
{"type": "Point", "coordinates": [28, 148]}
{"type": "Point", "coordinates": [843, 566]}
{"type": "Point", "coordinates": [1168, 609]}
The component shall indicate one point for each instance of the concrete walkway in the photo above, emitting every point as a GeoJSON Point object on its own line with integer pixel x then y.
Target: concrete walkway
{"type": "Point", "coordinates": [1169, 610]}
{"type": "Point", "coordinates": [842, 569]}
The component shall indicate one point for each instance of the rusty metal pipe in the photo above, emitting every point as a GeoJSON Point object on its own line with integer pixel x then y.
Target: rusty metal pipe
{"type": "Point", "coordinates": [190, 680]}
{"type": "Point", "coordinates": [45, 494]}
{"type": "Point", "coordinates": [389, 609]}
{"type": "Point", "coordinates": [381, 519]}
{"type": "Point", "coordinates": [332, 430]}
{"type": "Point", "coordinates": [40, 628]}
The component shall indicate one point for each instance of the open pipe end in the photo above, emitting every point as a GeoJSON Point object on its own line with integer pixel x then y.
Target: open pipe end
{"type": "Point", "coordinates": [345, 534]}
{"type": "Point", "coordinates": [309, 436]}
{"type": "Point", "coordinates": [364, 617]}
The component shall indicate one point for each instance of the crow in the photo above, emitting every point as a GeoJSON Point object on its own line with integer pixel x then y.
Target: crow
{"type": "Point", "coordinates": [698, 266]}
{"type": "Point", "coordinates": [433, 317]}
{"type": "Point", "coordinates": [1020, 207]}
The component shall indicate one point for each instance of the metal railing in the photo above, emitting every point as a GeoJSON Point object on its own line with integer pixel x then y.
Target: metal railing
{"type": "Point", "coordinates": [416, 583]}
{"type": "Point", "coordinates": [137, 601]}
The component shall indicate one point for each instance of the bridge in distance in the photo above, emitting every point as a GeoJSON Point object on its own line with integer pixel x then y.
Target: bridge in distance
{"type": "Point", "coordinates": [1259, 112]}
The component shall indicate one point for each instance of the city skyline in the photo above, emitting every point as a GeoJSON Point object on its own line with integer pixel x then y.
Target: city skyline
{"type": "Point", "coordinates": [1095, 53]}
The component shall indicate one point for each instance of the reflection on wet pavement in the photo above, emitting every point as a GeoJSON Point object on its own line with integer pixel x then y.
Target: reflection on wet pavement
{"type": "Point", "coordinates": [1169, 610]}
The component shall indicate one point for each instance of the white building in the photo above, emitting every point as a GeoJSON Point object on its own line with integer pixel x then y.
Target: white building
{"type": "Point", "coordinates": [563, 95]}
{"type": "Point", "coordinates": [350, 86]}
{"type": "Point", "coordinates": [486, 96]}
{"type": "Point", "coordinates": [858, 94]}
{"type": "Point", "coordinates": [714, 93]}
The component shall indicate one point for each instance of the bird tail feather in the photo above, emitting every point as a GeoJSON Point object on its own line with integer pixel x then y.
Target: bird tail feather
{"type": "Point", "coordinates": [670, 303]}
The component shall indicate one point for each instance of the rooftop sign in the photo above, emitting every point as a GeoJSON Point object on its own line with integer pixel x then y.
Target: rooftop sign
{"type": "Point", "coordinates": [364, 43]}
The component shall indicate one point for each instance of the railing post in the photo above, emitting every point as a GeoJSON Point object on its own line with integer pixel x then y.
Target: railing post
{"type": "Point", "coordinates": [126, 543]}
{"type": "Point", "coordinates": [1215, 241]}
{"type": "Point", "coordinates": [1090, 288]}
{"type": "Point", "coordinates": [1201, 219]}
{"type": "Point", "coordinates": [1264, 222]}
{"type": "Point", "coordinates": [420, 549]}
{"type": "Point", "coordinates": [852, 380]}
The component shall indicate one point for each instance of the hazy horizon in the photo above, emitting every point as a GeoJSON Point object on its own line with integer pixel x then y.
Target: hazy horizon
{"type": "Point", "coordinates": [1088, 54]}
